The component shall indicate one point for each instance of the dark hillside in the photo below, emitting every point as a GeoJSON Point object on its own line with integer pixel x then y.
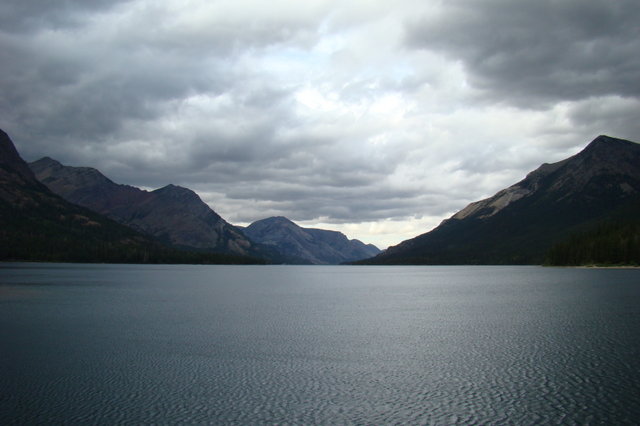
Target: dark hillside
{"type": "Point", "coordinates": [37, 225]}
{"type": "Point", "coordinates": [521, 223]}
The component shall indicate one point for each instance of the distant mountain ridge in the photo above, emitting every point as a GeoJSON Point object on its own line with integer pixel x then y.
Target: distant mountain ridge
{"type": "Point", "coordinates": [38, 225]}
{"type": "Point", "coordinates": [519, 224]}
{"type": "Point", "coordinates": [178, 216]}
{"type": "Point", "coordinates": [308, 245]}
{"type": "Point", "coordinates": [13, 169]}
{"type": "Point", "coordinates": [172, 213]}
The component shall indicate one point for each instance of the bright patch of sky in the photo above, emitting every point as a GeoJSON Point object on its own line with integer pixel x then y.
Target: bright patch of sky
{"type": "Point", "coordinates": [377, 119]}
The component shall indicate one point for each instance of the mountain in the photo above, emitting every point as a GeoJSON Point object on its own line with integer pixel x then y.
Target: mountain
{"type": "Point", "coordinates": [173, 214]}
{"type": "Point", "coordinates": [36, 224]}
{"type": "Point", "coordinates": [308, 245]}
{"type": "Point", "coordinates": [519, 224]}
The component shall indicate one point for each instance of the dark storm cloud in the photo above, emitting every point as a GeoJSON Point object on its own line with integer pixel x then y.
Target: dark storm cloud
{"type": "Point", "coordinates": [78, 81]}
{"type": "Point", "coordinates": [27, 15]}
{"type": "Point", "coordinates": [338, 203]}
{"type": "Point", "coordinates": [536, 53]}
{"type": "Point", "coordinates": [615, 116]}
{"type": "Point", "coordinates": [322, 109]}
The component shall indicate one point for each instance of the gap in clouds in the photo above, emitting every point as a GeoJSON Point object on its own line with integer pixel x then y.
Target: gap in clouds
{"type": "Point", "coordinates": [375, 119]}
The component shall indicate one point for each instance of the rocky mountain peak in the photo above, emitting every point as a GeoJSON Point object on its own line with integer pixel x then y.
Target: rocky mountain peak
{"type": "Point", "coordinates": [520, 223]}
{"type": "Point", "coordinates": [604, 156]}
{"type": "Point", "coordinates": [177, 192]}
{"type": "Point", "coordinates": [47, 162]}
{"type": "Point", "coordinates": [605, 151]}
{"type": "Point", "coordinates": [11, 162]}
{"type": "Point", "coordinates": [606, 142]}
{"type": "Point", "coordinates": [310, 245]}
{"type": "Point", "coordinates": [277, 220]}
{"type": "Point", "coordinates": [68, 178]}
{"type": "Point", "coordinates": [174, 214]}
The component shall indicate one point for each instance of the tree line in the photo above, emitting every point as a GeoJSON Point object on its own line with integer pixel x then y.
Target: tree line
{"type": "Point", "coordinates": [608, 244]}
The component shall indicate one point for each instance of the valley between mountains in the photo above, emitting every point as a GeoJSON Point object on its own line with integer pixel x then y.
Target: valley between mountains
{"type": "Point", "coordinates": [582, 210]}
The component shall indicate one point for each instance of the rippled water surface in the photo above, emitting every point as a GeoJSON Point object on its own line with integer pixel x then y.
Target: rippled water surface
{"type": "Point", "coordinates": [306, 345]}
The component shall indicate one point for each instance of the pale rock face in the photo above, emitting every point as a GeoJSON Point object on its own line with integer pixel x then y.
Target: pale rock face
{"type": "Point", "coordinates": [493, 205]}
{"type": "Point", "coordinates": [520, 223]}
{"type": "Point", "coordinates": [530, 184]}
{"type": "Point", "coordinates": [490, 206]}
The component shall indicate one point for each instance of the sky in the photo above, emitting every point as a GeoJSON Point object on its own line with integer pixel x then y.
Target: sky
{"type": "Point", "coordinates": [375, 118]}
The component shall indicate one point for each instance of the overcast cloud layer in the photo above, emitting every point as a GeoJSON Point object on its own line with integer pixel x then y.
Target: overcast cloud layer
{"type": "Point", "coordinates": [375, 118]}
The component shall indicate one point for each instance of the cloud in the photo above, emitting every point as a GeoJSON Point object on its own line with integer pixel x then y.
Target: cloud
{"type": "Point", "coordinates": [533, 54]}
{"type": "Point", "coordinates": [612, 115]}
{"type": "Point", "coordinates": [366, 116]}
{"type": "Point", "coordinates": [22, 16]}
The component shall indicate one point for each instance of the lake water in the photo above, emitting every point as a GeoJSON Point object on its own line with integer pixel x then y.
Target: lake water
{"type": "Point", "coordinates": [131, 344]}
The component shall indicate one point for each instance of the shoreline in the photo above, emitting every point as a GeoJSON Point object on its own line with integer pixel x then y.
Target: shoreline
{"type": "Point", "coordinates": [605, 267]}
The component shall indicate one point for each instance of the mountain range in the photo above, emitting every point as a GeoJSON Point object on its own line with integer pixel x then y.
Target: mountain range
{"type": "Point", "coordinates": [308, 245]}
{"type": "Point", "coordinates": [584, 209]}
{"type": "Point", "coordinates": [178, 217]}
{"type": "Point", "coordinates": [173, 214]}
{"type": "Point", "coordinates": [520, 224]}
{"type": "Point", "coordinates": [36, 224]}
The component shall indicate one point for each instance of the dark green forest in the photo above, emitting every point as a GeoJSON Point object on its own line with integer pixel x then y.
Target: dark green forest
{"type": "Point", "coordinates": [608, 244]}
{"type": "Point", "coordinates": [77, 235]}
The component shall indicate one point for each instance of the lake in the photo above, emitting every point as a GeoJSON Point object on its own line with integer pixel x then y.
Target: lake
{"type": "Point", "coordinates": [139, 344]}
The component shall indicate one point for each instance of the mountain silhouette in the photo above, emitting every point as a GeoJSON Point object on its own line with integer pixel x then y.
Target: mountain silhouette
{"type": "Point", "coordinates": [519, 224]}
{"type": "Point", "coordinates": [308, 245]}
{"type": "Point", "coordinates": [173, 214]}
{"type": "Point", "coordinates": [38, 225]}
